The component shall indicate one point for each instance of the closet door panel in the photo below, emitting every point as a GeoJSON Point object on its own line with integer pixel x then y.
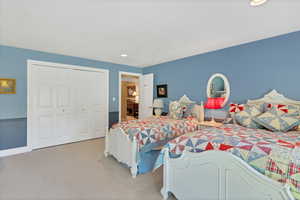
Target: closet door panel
{"type": "Point", "coordinates": [99, 111]}
{"type": "Point", "coordinates": [83, 97]}
{"type": "Point", "coordinates": [64, 106]}
{"type": "Point", "coordinates": [44, 107]}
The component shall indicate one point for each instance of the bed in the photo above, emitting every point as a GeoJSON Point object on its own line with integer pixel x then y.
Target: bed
{"type": "Point", "coordinates": [233, 162]}
{"type": "Point", "coordinates": [127, 141]}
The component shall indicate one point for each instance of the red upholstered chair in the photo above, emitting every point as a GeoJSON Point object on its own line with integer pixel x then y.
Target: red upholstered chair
{"type": "Point", "coordinates": [214, 103]}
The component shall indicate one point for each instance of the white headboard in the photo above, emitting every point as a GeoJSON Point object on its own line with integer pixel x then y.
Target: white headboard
{"type": "Point", "coordinates": [275, 98]}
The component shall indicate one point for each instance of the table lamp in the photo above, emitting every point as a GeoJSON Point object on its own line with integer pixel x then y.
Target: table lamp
{"type": "Point", "coordinates": [158, 106]}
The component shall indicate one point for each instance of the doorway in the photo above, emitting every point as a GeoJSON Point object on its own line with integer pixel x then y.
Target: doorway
{"type": "Point", "coordinates": [130, 93]}
{"type": "Point", "coordinates": [135, 95]}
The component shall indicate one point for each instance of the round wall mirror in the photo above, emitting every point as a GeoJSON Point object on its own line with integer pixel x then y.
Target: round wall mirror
{"type": "Point", "coordinates": [218, 87]}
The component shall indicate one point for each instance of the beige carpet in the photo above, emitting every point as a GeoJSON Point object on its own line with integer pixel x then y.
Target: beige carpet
{"type": "Point", "coordinates": [77, 171]}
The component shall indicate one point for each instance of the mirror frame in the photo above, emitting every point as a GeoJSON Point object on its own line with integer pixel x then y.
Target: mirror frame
{"type": "Point", "coordinates": [226, 85]}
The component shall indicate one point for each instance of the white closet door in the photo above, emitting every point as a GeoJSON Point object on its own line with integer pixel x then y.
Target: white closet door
{"type": "Point", "coordinates": [44, 109]}
{"type": "Point", "coordinates": [83, 99]}
{"type": "Point", "coordinates": [99, 102]}
{"type": "Point", "coordinates": [92, 104]}
{"type": "Point", "coordinates": [53, 108]}
{"type": "Point", "coordinates": [67, 105]}
{"type": "Point", "coordinates": [64, 92]}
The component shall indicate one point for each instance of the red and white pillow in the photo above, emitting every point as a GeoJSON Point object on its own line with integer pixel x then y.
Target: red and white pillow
{"type": "Point", "coordinates": [235, 108]}
{"type": "Point", "coordinates": [287, 109]}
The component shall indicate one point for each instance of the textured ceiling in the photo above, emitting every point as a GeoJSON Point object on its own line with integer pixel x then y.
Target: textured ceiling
{"type": "Point", "coordinates": [149, 31]}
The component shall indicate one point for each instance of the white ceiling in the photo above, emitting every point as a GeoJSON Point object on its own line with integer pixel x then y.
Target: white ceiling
{"type": "Point", "coordinates": [149, 31]}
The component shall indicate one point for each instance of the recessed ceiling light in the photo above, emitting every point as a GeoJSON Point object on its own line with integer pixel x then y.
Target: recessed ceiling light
{"type": "Point", "coordinates": [257, 2]}
{"type": "Point", "coordinates": [124, 55]}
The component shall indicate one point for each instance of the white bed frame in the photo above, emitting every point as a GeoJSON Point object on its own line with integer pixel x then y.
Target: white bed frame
{"type": "Point", "coordinates": [218, 175]}
{"type": "Point", "coordinates": [118, 144]}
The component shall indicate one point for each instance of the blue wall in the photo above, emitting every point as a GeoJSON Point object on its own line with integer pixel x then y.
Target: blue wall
{"type": "Point", "coordinates": [13, 64]}
{"type": "Point", "coordinates": [252, 70]}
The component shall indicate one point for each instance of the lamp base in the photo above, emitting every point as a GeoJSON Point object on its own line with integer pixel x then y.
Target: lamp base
{"type": "Point", "coordinates": [157, 112]}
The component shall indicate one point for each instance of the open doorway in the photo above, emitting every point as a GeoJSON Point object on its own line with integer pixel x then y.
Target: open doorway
{"type": "Point", "coordinates": [130, 93]}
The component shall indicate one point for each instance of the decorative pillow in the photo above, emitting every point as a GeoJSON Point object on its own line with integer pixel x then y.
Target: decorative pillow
{"type": "Point", "coordinates": [175, 110]}
{"type": "Point", "coordinates": [187, 109]}
{"type": "Point", "coordinates": [245, 117]}
{"type": "Point", "coordinates": [235, 108]}
{"type": "Point", "coordinates": [187, 106]}
{"type": "Point", "coordinates": [291, 110]}
{"type": "Point", "coordinates": [276, 121]}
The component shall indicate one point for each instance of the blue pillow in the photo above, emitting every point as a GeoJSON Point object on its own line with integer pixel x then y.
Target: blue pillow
{"type": "Point", "coordinates": [245, 117]}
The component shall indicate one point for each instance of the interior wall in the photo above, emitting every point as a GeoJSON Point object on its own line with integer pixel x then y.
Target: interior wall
{"type": "Point", "coordinates": [13, 107]}
{"type": "Point", "coordinates": [252, 69]}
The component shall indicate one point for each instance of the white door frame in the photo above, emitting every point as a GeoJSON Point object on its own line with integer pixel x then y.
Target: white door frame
{"type": "Point", "coordinates": [120, 88]}
{"type": "Point", "coordinates": [30, 64]}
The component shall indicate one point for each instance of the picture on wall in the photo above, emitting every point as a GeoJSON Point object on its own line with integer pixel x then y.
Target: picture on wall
{"type": "Point", "coordinates": [131, 91]}
{"type": "Point", "coordinates": [162, 91]}
{"type": "Point", "coordinates": [7, 86]}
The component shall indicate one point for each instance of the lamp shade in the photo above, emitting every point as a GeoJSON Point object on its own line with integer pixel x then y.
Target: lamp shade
{"type": "Point", "coordinates": [257, 2]}
{"type": "Point", "coordinates": [214, 103]}
{"type": "Point", "coordinates": [158, 103]}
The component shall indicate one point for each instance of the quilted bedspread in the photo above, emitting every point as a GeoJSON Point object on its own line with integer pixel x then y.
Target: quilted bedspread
{"type": "Point", "coordinates": [274, 154]}
{"type": "Point", "coordinates": [156, 131]}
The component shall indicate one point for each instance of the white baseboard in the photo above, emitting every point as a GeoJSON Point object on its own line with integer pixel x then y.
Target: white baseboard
{"type": "Point", "coordinates": [10, 152]}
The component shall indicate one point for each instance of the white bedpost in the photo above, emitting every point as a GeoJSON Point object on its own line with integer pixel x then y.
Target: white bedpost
{"type": "Point", "coordinates": [134, 168]}
{"type": "Point", "coordinates": [106, 149]}
{"type": "Point", "coordinates": [165, 190]}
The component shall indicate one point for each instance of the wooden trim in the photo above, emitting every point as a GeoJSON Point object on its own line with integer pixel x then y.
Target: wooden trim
{"type": "Point", "coordinates": [14, 151]}
{"type": "Point", "coordinates": [65, 66]}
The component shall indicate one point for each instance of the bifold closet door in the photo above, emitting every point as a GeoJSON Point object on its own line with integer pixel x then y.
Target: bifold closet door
{"type": "Point", "coordinates": [53, 106]}
{"type": "Point", "coordinates": [68, 105]}
{"type": "Point", "coordinates": [92, 112]}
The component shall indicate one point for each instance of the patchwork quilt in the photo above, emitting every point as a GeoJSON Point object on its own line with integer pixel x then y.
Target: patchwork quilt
{"type": "Point", "coordinates": [156, 131]}
{"type": "Point", "coordinates": [274, 154]}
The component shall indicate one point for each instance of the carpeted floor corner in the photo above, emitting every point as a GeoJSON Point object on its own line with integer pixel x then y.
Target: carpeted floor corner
{"type": "Point", "coordinates": [77, 171]}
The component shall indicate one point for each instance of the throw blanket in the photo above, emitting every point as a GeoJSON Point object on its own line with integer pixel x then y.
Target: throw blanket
{"type": "Point", "coordinates": [274, 154]}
